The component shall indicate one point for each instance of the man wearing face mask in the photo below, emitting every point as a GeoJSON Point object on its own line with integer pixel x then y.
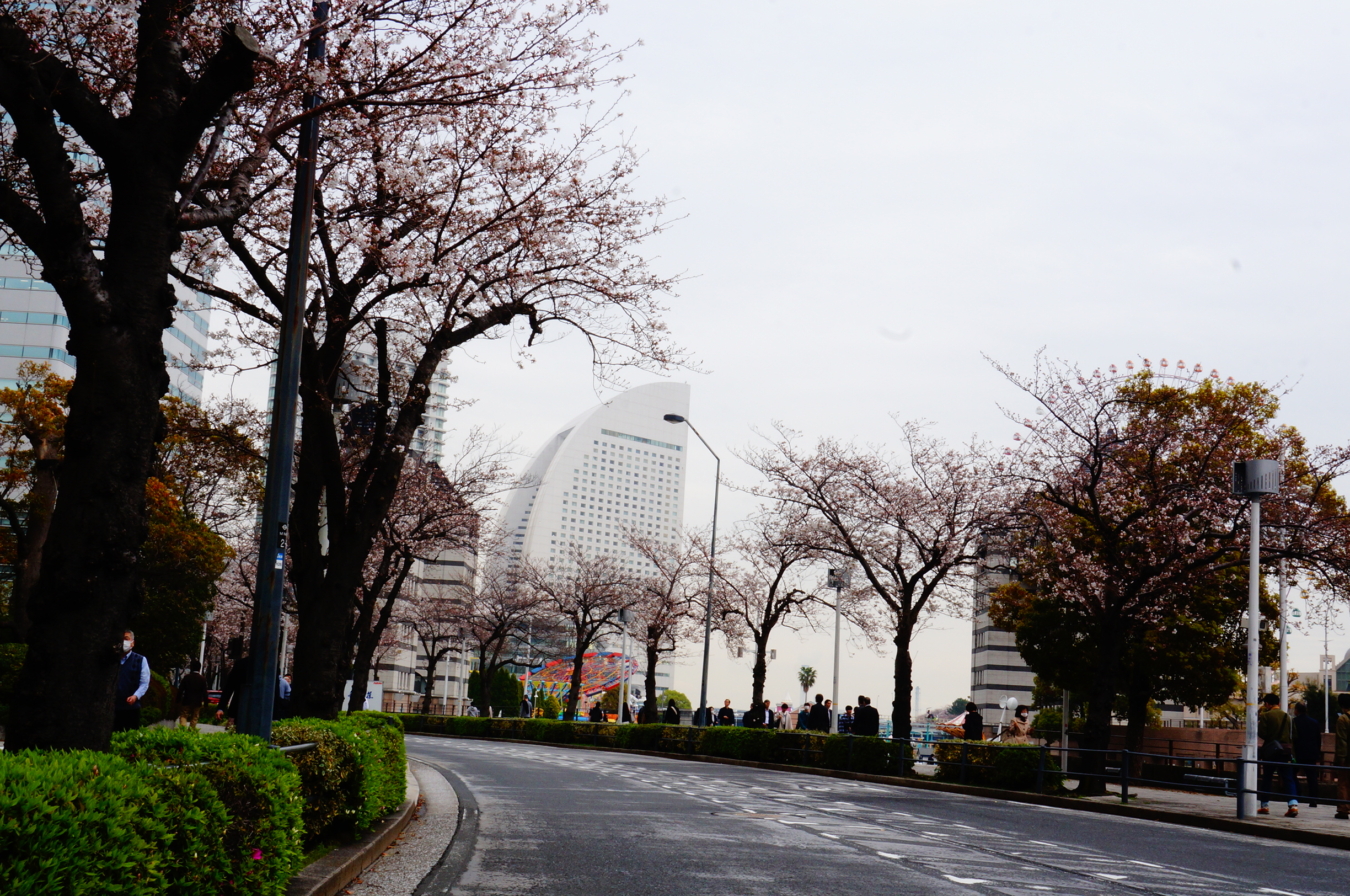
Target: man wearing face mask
{"type": "Point", "coordinates": [133, 679]}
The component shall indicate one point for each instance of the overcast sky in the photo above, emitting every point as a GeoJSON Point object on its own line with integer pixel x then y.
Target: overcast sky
{"type": "Point", "coordinates": [876, 195]}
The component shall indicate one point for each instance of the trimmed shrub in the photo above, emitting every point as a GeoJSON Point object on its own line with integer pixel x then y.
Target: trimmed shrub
{"type": "Point", "coordinates": [1010, 766]}
{"type": "Point", "coordinates": [379, 745]}
{"type": "Point", "coordinates": [330, 777]}
{"type": "Point", "coordinates": [353, 778]}
{"type": "Point", "coordinates": [81, 822]}
{"type": "Point", "coordinates": [1016, 767]}
{"type": "Point", "coordinates": [257, 787]}
{"type": "Point", "coordinates": [869, 755]}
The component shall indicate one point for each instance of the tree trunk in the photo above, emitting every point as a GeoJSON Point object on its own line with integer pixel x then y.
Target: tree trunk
{"type": "Point", "coordinates": [651, 713]}
{"type": "Point", "coordinates": [1101, 702]}
{"type": "Point", "coordinates": [32, 536]}
{"type": "Point", "coordinates": [760, 669]}
{"type": "Point", "coordinates": [574, 692]}
{"type": "Point", "coordinates": [904, 686]}
{"type": "Point", "coordinates": [1136, 720]}
{"type": "Point", "coordinates": [433, 660]}
{"type": "Point", "coordinates": [89, 589]}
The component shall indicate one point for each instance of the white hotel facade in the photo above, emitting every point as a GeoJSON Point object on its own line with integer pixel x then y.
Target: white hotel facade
{"type": "Point", "coordinates": [618, 467]}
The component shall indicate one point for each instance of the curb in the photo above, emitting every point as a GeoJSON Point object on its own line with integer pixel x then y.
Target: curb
{"type": "Point", "coordinates": [329, 875]}
{"type": "Point", "coordinates": [1205, 822]}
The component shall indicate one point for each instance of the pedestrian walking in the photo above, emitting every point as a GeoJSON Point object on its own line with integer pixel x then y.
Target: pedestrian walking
{"type": "Point", "coordinates": [191, 696]}
{"type": "Point", "coordinates": [819, 719]}
{"type": "Point", "coordinates": [1341, 757]}
{"type": "Point", "coordinates": [786, 719]}
{"type": "Point", "coordinates": [866, 719]}
{"type": "Point", "coordinates": [672, 714]}
{"type": "Point", "coordinates": [133, 680]}
{"type": "Point", "coordinates": [1019, 729]}
{"type": "Point", "coordinates": [1307, 751]}
{"type": "Point", "coordinates": [1275, 733]}
{"type": "Point", "coordinates": [846, 720]}
{"type": "Point", "coordinates": [726, 715]}
{"type": "Point", "coordinates": [973, 726]}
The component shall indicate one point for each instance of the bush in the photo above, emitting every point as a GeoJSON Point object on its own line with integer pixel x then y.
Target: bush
{"type": "Point", "coordinates": [1016, 766]}
{"type": "Point", "coordinates": [869, 755]}
{"type": "Point", "coordinates": [81, 822]}
{"type": "Point", "coordinates": [353, 778]}
{"type": "Point", "coordinates": [330, 778]}
{"type": "Point", "coordinates": [1009, 766]}
{"type": "Point", "coordinates": [257, 787]}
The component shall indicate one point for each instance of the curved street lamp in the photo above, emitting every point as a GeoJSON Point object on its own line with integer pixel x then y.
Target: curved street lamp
{"type": "Point", "coordinates": [702, 713]}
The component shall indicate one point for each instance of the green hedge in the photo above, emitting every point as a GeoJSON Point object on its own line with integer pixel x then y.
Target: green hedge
{"type": "Point", "coordinates": [353, 778]}
{"type": "Point", "coordinates": [165, 813]}
{"type": "Point", "coordinates": [1010, 766]}
{"type": "Point", "coordinates": [870, 755]}
{"type": "Point", "coordinates": [257, 788]}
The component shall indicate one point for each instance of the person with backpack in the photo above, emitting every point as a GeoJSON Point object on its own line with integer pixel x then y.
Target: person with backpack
{"type": "Point", "coordinates": [1276, 733]}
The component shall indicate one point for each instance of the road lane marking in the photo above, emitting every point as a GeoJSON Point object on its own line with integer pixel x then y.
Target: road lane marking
{"type": "Point", "coordinates": [888, 855]}
{"type": "Point", "coordinates": [965, 880]}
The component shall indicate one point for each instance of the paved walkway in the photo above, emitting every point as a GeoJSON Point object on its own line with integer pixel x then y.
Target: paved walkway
{"type": "Point", "coordinates": [1214, 806]}
{"type": "Point", "coordinates": [419, 847]}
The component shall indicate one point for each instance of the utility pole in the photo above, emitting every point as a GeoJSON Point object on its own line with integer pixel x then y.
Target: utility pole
{"type": "Point", "coordinates": [255, 716]}
{"type": "Point", "coordinates": [1253, 480]}
{"type": "Point", "coordinates": [838, 579]}
{"type": "Point", "coordinates": [1284, 645]}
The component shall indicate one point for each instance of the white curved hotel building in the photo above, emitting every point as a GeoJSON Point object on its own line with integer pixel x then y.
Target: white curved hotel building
{"type": "Point", "coordinates": [617, 467]}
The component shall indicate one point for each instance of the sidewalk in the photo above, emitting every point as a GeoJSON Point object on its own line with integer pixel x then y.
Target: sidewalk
{"type": "Point", "coordinates": [420, 846]}
{"type": "Point", "coordinates": [1209, 805]}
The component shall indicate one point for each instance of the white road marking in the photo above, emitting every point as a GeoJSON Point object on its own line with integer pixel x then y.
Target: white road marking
{"type": "Point", "coordinates": [1276, 892]}
{"type": "Point", "coordinates": [888, 855]}
{"type": "Point", "coordinates": [1111, 876]}
{"type": "Point", "coordinates": [831, 836]}
{"type": "Point", "coordinates": [965, 880]}
{"type": "Point", "coordinates": [1146, 864]}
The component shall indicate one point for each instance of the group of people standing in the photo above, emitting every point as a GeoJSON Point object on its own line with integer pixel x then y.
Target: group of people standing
{"type": "Point", "coordinates": [819, 716]}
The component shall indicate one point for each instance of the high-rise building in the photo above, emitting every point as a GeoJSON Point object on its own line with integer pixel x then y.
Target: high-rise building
{"type": "Point", "coordinates": [617, 468]}
{"type": "Point", "coordinates": [34, 327]}
{"type": "Point", "coordinates": [446, 579]}
{"type": "Point", "coordinates": [997, 670]}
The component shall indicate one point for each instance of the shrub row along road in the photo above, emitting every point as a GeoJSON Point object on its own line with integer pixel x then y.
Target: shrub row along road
{"type": "Point", "coordinates": [562, 821]}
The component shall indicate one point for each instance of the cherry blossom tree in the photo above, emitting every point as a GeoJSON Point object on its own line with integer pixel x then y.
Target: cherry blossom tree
{"type": "Point", "coordinates": [139, 142]}
{"type": "Point", "coordinates": [438, 221]}
{"type": "Point", "coordinates": [585, 595]}
{"type": "Point", "coordinates": [666, 602]}
{"type": "Point", "coordinates": [909, 526]}
{"type": "Point", "coordinates": [768, 579]}
{"type": "Point", "coordinates": [500, 616]}
{"type": "Point", "coordinates": [1126, 520]}
{"type": "Point", "coordinates": [435, 510]}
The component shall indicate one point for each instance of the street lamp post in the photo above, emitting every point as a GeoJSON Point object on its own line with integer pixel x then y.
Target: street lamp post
{"type": "Point", "coordinates": [701, 717]}
{"type": "Point", "coordinates": [1253, 480]}
{"type": "Point", "coordinates": [838, 579]}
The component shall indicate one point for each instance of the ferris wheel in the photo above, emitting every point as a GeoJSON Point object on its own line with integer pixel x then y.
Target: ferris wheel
{"type": "Point", "coordinates": [1177, 373]}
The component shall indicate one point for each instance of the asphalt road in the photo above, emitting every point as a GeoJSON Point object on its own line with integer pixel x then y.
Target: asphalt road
{"type": "Point", "coordinates": [557, 821]}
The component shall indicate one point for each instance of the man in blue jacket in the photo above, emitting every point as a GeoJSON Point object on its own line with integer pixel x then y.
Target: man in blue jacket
{"type": "Point", "coordinates": [133, 680]}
